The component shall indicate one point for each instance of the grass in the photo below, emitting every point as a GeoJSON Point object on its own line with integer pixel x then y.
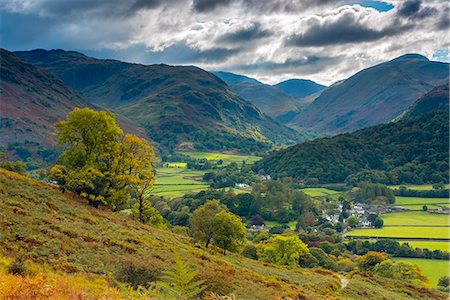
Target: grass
{"type": "Point", "coordinates": [423, 187]}
{"type": "Point", "coordinates": [320, 192]}
{"type": "Point", "coordinates": [97, 247]}
{"type": "Point", "coordinates": [175, 182]}
{"type": "Point", "coordinates": [291, 224]}
{"type": "Point", "coordinates": [416, 218]}
{"type": "Point", "coordinates": [432, 268]}
{"type": "Point", "coordinates": [227, 158]}
{"type": "Point", "coordinates": [406, 201]}
{"type": "Point", "coordinates": [177, 165]}
{"type": "Point", "coordinates": [403, 232]}
{"type": "Point", "coordinates": [433, 245]}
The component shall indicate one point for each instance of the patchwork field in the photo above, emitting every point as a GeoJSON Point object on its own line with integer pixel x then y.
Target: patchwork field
{"type": "Point", "coordinates": [433, 245]}
{"type": "Point", "coordinates": [432, 268]}
{"type": "Point", "coordinates": [409, 232]}
{"type": "Point", "coordinates": [227, 158]}
{"type": "Point", "coordinates": [175, 182]}
{"type": "Point", "coordinates": [416, 219]}
{"type": "Point", "coordinates": [416, 203]}
{"type": "Point", "coordinates": [423, 187]}
{"type": "Point", "coordinates": [321, 192]}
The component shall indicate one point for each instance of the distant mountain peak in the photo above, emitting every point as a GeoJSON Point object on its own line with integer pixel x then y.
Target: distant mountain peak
{"type": "Point", "coordinates": [410, 56]}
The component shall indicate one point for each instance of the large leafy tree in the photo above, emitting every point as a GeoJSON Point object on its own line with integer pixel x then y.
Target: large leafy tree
{"type": "Point", "coordinates": [283, 250]}
{"type": "Point", "coordinates": [100, 163]}
{"type": "Point", "coordinates": [202, 221]}
{"type": "Point", "coordinates": [229, 232]}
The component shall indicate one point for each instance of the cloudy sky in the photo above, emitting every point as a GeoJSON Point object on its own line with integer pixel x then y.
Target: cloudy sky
{"type": "Point", "coordinates": [271, 40]}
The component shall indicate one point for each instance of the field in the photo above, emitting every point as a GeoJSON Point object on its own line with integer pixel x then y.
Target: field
{"type": "Point", "coordinates": [176, 181]}
{"type": "Point", "coordinates": [416, 203]}
{"type": "Point", "coordinates": [423, 187]}
{"type": "Point", "coordinates": [416, 219]}
{"type": "Point", "coordinates": [409, 232]}
{"type": "Point", "coordinates": [434, 245]}
{"type": "Point", "coordinates": [321, 192]}
{"type": "Point", "coordinates": [433, 269]}
{"type": "Point", "coordinates": [291, 224]}
{"type": "Point", "coordinates": [227, 158]}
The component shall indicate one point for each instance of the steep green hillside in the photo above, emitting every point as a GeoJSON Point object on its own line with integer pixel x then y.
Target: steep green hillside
{"type": "Point", "coordinates": [299, 88]}
{"type": "Point", "coordinates": [39, 224]}
{"type": "Point", "coordinates": [372, 96]}
{"type": "Point", "coordinates": [437, 98]}
{"type": "Point", "coordinates": [32, 100]}
{"type": "Point", "coordinates": [179, 106]}
{"type": "Point", "coordinates": [414, 150]}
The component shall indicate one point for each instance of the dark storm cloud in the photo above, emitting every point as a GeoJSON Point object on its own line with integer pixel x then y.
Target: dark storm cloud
{"type": "Point", "coordinates": [99, 8]}
{"type": "Point", "coordinates": [308, 63]}
{"type": "Point", "coordinates": [253, 32]}
{"type": "Point", "coordinates": [209, 5]}
{"type": "Point", "coordinates": [344, 30]}
{"type": "Point", "coordinates": [413, 9]}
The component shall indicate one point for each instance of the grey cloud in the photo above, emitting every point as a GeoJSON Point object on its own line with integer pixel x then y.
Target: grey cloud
{"type": "Point", "coordinates": [209, 5]}
{"type": "Point", "coordinates": [413, 9]}
{"type": "Point", "coordinates": [245, 35]}
{"type": "Point", "coordinates": [286, 6]}
{"type": "Point", "coordinates": [346, 29]}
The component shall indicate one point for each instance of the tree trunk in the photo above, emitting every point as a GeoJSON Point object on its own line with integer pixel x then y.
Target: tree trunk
{"type": "Point", "coordinates": [141, 210]}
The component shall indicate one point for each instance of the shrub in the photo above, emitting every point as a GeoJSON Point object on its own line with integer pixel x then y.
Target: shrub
{"type": "Point", "coordinates": [17, 267]}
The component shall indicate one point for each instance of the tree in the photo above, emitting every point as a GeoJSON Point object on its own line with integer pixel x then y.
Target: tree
{"type": "Point", "coordinates": [101, 164]}
{"type": "Point", "coordinates": [370, 260]}
{"type": "Point", "coordinates": [257, 220]}
{"type": "Point", "coordinates": [378, 222]}
{"type": "Point", "coordinates": [136, 160]}
{"type": "Point", "coordinates": [425, 208]}
{"type": "Point", "coordinates": [179, 284]}
{"type": "Point", "coordinates": [444, 282]}
{"type": "Point", "coordinates": [229, 232]}
{"type": "Point", "coordinates": [202, 221]}
{"type": "Point", "coordinates": [283, 250]}
{"type": "Point", "coordinates": [147, 214]}
{"type": "Point", "coordinates": [400, 270]}
{"type": "Point", "coordinates": [352, 221]}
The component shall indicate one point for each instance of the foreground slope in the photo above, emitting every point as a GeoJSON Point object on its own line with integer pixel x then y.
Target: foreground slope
{"type": "Point", "coordinates": [39, 223]}
{"type": "Point", "coordinates": [372, 96]}
{"type": "Point", "coordinates": [179, 106]}
{"type": "Point", "coordinates": [414, 150]}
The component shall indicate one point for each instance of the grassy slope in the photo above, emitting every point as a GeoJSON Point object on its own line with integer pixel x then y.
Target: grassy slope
{"type": "Point", "coordinates": [433, 269]}
{"type": "Point", "coordinates": [43, 225]}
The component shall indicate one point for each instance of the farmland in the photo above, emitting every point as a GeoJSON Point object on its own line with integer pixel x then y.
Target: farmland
{"type": "Point", "coordinates": [423, 187]}
{"type": "Point", "coordinates": [176, 181]}
{"type": "Point", "coordinates": [433, 245]}
{"type": "Point", "coordinates": [433, 269]}
{"type": "Point", "coordinates": [416, 203]}
{"type": "Point", "coordinates": [416, 219]}
{"type": "Point", "coordinates": [409, 232]}
{"type": "Point", "coordinates": [320, 192]}
{"type": "Point", "coordinates": [226, 158]}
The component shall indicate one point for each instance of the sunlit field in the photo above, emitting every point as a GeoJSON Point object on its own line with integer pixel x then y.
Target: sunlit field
{"type": "Point", "coordinates": [226, 158]}
{"type": "Point", "coordinates": [432, 268]}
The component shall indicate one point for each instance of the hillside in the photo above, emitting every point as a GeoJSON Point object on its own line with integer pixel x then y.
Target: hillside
{"type": "Point", "coordinates": [299, 88]}
{"type": "Point", "coordinates": [414, 150]}
{"type": "Point", "coordinates": [181, 107]}
{"type": "Point", "coordinates": [372, 96]}
{"type": "Point", "coordinates": [32, 100]}
{"type": "Point", "coordinates": [62, 234]}
{"type": "Point", "coordinates": [437, 98]}
{"type": "Point", "coordinates": [231, 78]}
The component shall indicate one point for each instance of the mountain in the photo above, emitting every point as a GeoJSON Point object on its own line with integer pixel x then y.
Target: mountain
{"type": "Point", "coordinates": [269, 99]}
{"type": "Point", "coordinates": [372, 96]}
{"type": "Point", "coordinates": [231, 78]}
{"type": "Point", "coordinates": [73, 251]}
{"type": "Point", "coordinates": [299, 88]}
{"type": "Point", "coordinates": [32, 100]}
{"type": "Point", "coordinates": [414, 150]}
{"type": "Point", "coordinates": [437, 98]}
{"type": "Point", "coordinates": [180, 107]}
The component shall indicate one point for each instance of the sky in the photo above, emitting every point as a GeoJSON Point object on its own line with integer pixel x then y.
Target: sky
{"type": "Point", "coordinates": [270, 40]}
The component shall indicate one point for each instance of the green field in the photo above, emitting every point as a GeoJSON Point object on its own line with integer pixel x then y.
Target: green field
{"type": "Point", "coordinates": [175, 182]}
{"type": "Point", "coordinates": [406, 201]}
{"type": "Point", "coordinates": [227, 158]}
{"type": "Point", "coordinates": [432, 245]}
{"type": "Point", "coordinates": [403, 232]}
{"type": "Point", "coordinates": [423, 187]}
{"type": "Point", "coordinates": [416, 218]}
{"type": "Point", "coordinates": [291, 224]}
{"type": "Point", "coordinates": [320, 192]}
{"type": "Point", "coordinates": [432, 268]}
